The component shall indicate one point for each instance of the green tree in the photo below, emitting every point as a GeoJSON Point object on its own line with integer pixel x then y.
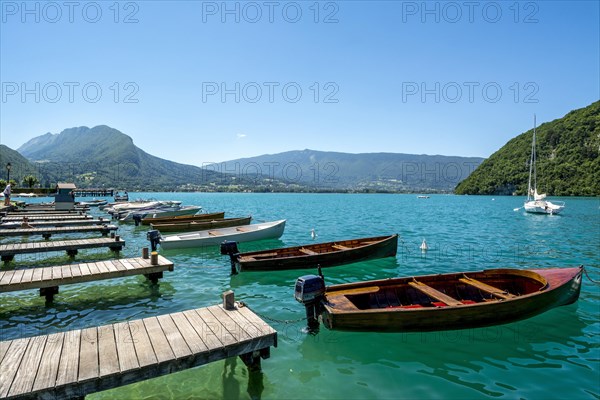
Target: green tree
{"type": "Point", "coordinates": [30, 181]}
{"type": "Point", "coordinates": [13, 183]}
{"type": "Point", "coordinates": [2, 183]}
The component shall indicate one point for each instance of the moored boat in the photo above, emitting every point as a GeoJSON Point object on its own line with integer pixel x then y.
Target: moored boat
{"type": "Point", "coordinates": [536, 203]}
{"type": "Point", "coordinates": [201, 225]}
{"type": "Point", "coordinates": [182, 218]}
{"type": "Point", "coordinates": [213, 237]}
{"type": "Point", "coordinates": [325, 254]}
{"type": "Point", "coordinates": [93, 203]}
{"type": "Point", "coordinates": [162, 210]}
{"type": "Point", "coordinates": [438, 302]}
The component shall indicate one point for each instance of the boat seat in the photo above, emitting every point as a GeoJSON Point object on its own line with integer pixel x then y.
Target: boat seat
{"type": "Point", "coordinates": [265, 255]}
{"type": "Point", "coordinates": [503, 294]}
{"type": "Point", "coordinates": [362, 290]}
{"type": "Point", "coordinates": [434, 293]}
{"type": "Point", "coordinates": [340, 247]}
{"type": "Point", "coordinates": [308, 252]}
{"type": "Point", "coordinates": [214, 233]}
{"type": "Point", "coordinates": [242, 229]}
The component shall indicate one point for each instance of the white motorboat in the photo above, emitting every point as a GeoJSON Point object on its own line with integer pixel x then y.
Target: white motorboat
{"type": "Point", "coordinates": [214, 237]}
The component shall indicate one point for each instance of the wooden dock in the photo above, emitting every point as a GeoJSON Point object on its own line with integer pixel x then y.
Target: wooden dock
{"type": "Point", "coordinates": [48, 279]}
{"type": "Point", "coordinates": [40, 217]}
{"type": "Point", "coordinates": [8, 251]}
{"type": "Point", "coordinates": [49, 231]}
{"type": "Point", "coordinates": [27, 211]}
{"type": "Point", "coordinates": [69, 222]}
{"type": "Point", "coordinates": [76, 363]}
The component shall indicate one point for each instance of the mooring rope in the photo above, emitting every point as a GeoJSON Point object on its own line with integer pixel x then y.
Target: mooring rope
{"type": "Point", "coordinates": [586, 274]}
{"type": "Point", "coordinates": [281, 321]}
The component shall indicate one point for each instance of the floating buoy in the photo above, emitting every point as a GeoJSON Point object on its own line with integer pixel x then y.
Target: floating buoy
{"type": "Point", "coordinates": [313, 234]}
{"type": "Point", "coordinates": [424, 246]}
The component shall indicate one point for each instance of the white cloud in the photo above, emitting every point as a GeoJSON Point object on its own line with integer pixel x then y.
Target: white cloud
{"type": "Point", "coordinates": [241, 135]}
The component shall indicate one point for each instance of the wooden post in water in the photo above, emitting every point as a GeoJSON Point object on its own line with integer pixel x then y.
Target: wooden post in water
{"type": "Point", "coordinates": [145, 253]}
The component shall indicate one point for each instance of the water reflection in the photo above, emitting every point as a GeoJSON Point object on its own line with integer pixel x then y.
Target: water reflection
{"type": "Point", "coordinates": [77, 306]}
{"type": "Point", "coordinates": [463, 357]}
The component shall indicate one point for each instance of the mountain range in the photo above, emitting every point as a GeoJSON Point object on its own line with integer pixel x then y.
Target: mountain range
{"type": "Point", "coordinates": [567, 151]}
{"type": "Point", "coordinates": [105, 157]}
{"type": "Point", "coordinates": [393, 172]}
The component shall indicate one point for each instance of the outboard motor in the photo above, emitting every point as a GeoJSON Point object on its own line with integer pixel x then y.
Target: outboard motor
{"type": "Point", "coordinates": [137, 219]}
{"type": "Point", "coordinates": [310, 290]}
{"type": "Point", "coordinates": [231, 249]}
{"type": "Point", "coordinates": [154, 238]}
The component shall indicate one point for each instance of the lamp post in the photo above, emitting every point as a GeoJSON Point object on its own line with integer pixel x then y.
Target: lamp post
{"type": "Point", "coordinates": [8, 166]}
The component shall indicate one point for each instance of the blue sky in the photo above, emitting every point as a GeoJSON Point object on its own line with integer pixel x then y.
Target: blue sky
{"type": "Point", "coordinates": [202, 81]}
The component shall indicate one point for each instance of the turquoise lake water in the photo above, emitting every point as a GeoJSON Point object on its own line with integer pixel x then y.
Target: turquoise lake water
{"type": "Point", "coordinates": [555, 355]}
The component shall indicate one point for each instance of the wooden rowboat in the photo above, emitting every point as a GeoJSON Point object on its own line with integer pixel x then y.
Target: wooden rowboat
{"type": "Point", "coordinates": [213, 237]}
{"type": "Point", "coordinates": [438, 302]}
{"type": "Point", "coordinates": [201, 225]}
{"type": "Point", "coordinates": [324, 254]}
{"type": "Point", "coordinates": [183, 218]}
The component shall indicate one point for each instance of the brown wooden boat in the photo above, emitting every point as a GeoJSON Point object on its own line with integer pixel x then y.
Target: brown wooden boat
{"type": "Point", "coordinates": [438, 302]}
{"type": "Point", "coordinates": [184, 218]}
{"type": "Point", "coordinates": [201, 225]}
{"type": "Point", "coordinates": [308, 256]}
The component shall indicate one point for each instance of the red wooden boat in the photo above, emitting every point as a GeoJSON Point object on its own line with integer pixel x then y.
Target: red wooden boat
{"type": "Point", "coordinates": [329, 254]}
{"type": "Point", "coordinates": [438, 302]}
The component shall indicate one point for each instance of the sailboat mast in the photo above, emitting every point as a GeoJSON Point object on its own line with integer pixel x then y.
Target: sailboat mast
{"type": "Point", "coordinates": [534, 156]}
{"type": "Point", "coordinates": [532, 162]}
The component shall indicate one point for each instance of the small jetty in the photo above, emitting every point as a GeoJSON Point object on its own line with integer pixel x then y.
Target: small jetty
{"type": "Point", "coordinates": [43, 217]}
{"type": "Point", "coordinates": [95, 192]}
{"type": "Point", "coordinates": [26, 212]}
{"type": "Point", "coordinates": [49, 231]}
{"type": "Point", "coordinates": [48, 279]}
{"type": "Point", "coordinates": [8, 251]}
{"type": "Point", "coordinates": [68, 222]}
{"type": "Point", "coordinates": [75, 363]}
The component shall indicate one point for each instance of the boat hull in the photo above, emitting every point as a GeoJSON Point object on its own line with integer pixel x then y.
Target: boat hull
{"type": "Point", "coordinates": [543, 207]}
{"type": "Point", "coordinates": [384, 246]}
{"type": "Point", "coordinates": [263, 231]}
{"type": "Point", "coordinates": [562, 287]}
{"type": "Point", "coordinates": [201, 225]}
{"type": "Point", "coordinates": [183, 218]}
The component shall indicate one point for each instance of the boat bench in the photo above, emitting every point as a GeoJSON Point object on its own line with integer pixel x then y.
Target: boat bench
{"type": "Point", "coordinates": [435, 294]}
{"type": "Point", "coordinates": [340, 247]}
{"type": "Point", "coordinates": [308, 252]}
{"type": "Point", "coordinates": [265, 255]}
{"type": "Point", "coordinates": [487, 288]}
{"type": "Point", "coordinates": [242, 229]}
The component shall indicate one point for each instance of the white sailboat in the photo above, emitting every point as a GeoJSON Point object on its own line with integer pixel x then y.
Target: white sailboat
{"type": "Point", "coordinates": [535, 202]}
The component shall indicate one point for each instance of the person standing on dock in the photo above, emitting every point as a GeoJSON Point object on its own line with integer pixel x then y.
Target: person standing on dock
{"type": "Point", "coordinates": [7, 195]}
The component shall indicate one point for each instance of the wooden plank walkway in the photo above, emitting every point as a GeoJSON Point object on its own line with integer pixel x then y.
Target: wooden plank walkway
{"type": "Point", "coordinates": [70, 222]}
{"type": "Point", "coordinates": [39, 217]}
{"type": "Point", "coordinates": [52, 277]}
{"type": "Point", "coordinates": [26, 211]}
{"type": "Point", "coordinates": [48, 208]}
{"type": "Point", "coordinates": [8, 251]}
{"type": "Point", "coordinates": [48, 231]}
{"type": "Point", "coordinates": [76, 363]}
